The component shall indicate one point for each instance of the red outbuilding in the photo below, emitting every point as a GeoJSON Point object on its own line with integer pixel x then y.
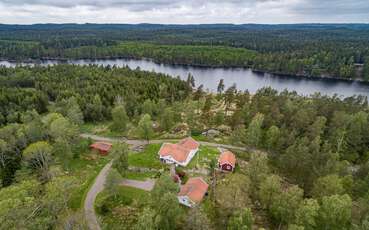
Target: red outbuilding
{"type": "Point", "coordinates": [102, 147]}
{"type": "Point", "coordinates": [227, 161]}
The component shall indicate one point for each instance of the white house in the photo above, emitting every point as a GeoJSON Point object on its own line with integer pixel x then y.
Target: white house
{"type": "Point", "coordinates": [192, 193]}
{"type": "Point", "coordinates": [180, 153]}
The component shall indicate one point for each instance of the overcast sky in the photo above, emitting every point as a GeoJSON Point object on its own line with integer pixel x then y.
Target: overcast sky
{"type": "Point", "coordinates": [183, 11]}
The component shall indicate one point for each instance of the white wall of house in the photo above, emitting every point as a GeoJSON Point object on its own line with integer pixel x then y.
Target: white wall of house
{"type": "Point", "coordinates": [170, 160]}
{"type": "Point", "coordinates": [190, 156]}
{"type": "Point", "coordinates": [185, 201]}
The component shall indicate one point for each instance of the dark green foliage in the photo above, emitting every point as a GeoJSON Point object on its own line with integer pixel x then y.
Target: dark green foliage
{"type": "Point", "coordinates": [165, 202]}
{"type": "Point", "coordinates": [315, 50]}
{"type": "Point", "coordinates": [335, 212]}
{"type": "Point", "coordinates": [120, 153]}
{"type": "Point", "coordinates": [16, 100]}
{"type": "Point", "coordinates": [95, 88]}
{"type": "Point", "coordinates": [241, 220]}
{"type": "Point", "coordinates": [120, 118]}
{"type": "Point", "coordinates": [167, 119]}
{"type": "Point", "coordinates": [145, 127]}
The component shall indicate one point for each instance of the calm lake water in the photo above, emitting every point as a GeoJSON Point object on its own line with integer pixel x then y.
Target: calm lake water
{"type": "Point", "coordinates": [245, 79]}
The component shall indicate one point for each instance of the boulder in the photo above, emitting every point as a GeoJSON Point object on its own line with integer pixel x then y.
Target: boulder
{"type": "Point", "coordinates": [211, 133]}
{"type": "Point", "coordinates": [224, 129]}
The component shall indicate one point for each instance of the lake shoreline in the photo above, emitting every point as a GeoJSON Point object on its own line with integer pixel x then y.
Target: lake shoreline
{"type": "Point", "coordinates": [209, 77]}
{"type": "Point", "coordinates": [280, 74]}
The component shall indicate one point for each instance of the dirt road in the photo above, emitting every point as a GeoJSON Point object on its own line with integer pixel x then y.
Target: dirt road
{"type": "Point", "coordinates": [144, 142]}
{"type": "Point", "coordinates": [98, 185]}
{"type": "Point", "coordinates": [95, 189]}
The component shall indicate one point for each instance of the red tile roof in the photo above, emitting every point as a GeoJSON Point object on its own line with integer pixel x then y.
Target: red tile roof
{"type": "Point", "coordinates": [195, 189]}
{"type": "Point", "coordinates": [102, 146]}
{"type": "Point", "coordinates": [179, 151]}
{"type": "Point", "coordinates": [227, 157]}
{"type": "Point", "coordinates": [189, 143]}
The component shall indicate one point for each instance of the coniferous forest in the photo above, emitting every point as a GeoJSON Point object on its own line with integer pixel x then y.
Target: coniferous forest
{"type": "Point", "coordinates": [305, 165]}
{"type": "Point", "coordinates": [321, 50]}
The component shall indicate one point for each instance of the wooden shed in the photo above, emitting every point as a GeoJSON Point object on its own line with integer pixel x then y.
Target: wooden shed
{"type": "Point", "coordinates": [102, 147]}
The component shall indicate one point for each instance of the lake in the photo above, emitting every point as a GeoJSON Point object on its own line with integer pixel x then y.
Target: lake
{"type": "Point", "coordinates": [245, 79]}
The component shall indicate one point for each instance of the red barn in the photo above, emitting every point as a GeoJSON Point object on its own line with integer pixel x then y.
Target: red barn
{"type": "Point", "coordinates": [102, 147]}
{"type": "Point", "coordinates": [227, 161]}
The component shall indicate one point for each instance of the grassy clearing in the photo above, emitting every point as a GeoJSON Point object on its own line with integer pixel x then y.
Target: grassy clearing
{"type": "Point", "coordinates": [203, 157]}
{"type": "Point", "coordinates": [85, 168]}
{"type": "Point", "coordinates": [121, 211]}
{"type": "Point", "coordinates": [142, 176]}
{"type": "Point", "coordinates": [101, 129]}
{"type": "Point", "coordinates": [147, 159]}
{"type": "Point", "coordinates": [126, 196]}
{"type": "Point", "coordinates": [201, 138]}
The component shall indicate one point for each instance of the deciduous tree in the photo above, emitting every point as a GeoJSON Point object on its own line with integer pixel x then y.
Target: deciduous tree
{"type": "Point", "coordinates": [62, 128]}
{"type": "Point", "coordinates": [257, 170]}
{"type": "Point", "coordinates": [197, 219]}
{"type": "Point", "coordinates": [38, 157]}
{"type": "Point", "coordinates": [120, 118]}
{"type": "Point", "coordinates": [272, 138]}
{"type": "Point", "coordinates": [335, 212]}
{"type": "Point", "coordinates": [307, 214]}
{"type": "Point", "coordinates": [168, 211]}
{"type": "Point", "coordinates": [254, 131]}
{"type": "Point", "coordinates": [145, 127]}
{"type": "Point", "coordinates": [167, 119]}
{"type": "Point", "coordinates": [146, 220]}
{"type": "Point", "coordinates": [328, 186]}
{"type": "Point", "coordinates": [269, 191]}
{"type": "Point", "coordinates": [112, 182]}
{"type": "Point", "coordinates": [241, 220]}
{"type": "Point", "coordinates": [120, 153]}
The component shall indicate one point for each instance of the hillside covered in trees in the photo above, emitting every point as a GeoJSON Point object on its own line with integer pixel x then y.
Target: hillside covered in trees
{"type": "Point", "coordinates": [334, 50]}
{"type": "Point", "coordinates": [307, 166]}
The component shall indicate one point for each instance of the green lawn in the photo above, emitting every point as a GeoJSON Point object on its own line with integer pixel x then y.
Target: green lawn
{"type": "Point", "coordinates": [149, 158]}
{"type": "Point", "coordinates": [139, 175]}
{"type": "Point", "coordinates": [85, 170]}
{"type": "Point", "coordinates": [203, 157]}
{"type": "Point", "coordinates": [201, 138]}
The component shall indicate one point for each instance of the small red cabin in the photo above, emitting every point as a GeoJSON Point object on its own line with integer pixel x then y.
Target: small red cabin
{"type": "Point", "coordinates": [102, 147]}
{"type": "Point", "coordinates": [227, 161]}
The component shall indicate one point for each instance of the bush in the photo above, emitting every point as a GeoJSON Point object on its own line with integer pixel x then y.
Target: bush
{"type": "Point", "coordinates": [180, 172]}
{"type": "Point", "coordinates": [196, 132]}
{"type": "Point", "coordinates": [107, 203]}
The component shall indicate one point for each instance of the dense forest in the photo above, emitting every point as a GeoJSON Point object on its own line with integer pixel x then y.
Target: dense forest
{"type": "Point", "coordinates": [333, 50]}
{"type": "Point", "coordinates": [95, 89]}
{"type": "Point", "coordinates": [307, 168]}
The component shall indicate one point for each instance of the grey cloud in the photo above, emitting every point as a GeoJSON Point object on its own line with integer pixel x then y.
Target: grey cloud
{"type": "Point", "coordinates": [184, 11]}
{"type": "Point", "coordinates": [326, 8]}
{"type": "Point", "coordinates": [129, 4]}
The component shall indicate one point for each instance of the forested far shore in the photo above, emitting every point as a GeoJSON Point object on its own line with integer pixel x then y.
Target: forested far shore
{"type": "Point", "coordinates": [339, 51]}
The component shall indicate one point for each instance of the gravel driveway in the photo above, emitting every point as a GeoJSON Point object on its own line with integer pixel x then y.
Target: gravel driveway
{"type": "Point", "coordinates": [147, 185]}
{"type": "Point", "coordinates": [96, 188]}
